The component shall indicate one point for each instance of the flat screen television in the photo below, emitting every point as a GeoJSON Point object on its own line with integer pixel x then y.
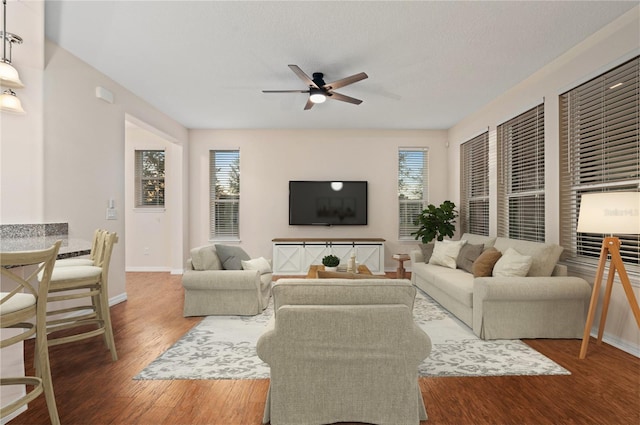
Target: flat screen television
{"type": "Point", "coordinates": [328, 203]}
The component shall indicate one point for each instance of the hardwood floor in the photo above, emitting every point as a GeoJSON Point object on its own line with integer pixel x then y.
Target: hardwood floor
{"type": "Point", "coordinates": [91, 389]}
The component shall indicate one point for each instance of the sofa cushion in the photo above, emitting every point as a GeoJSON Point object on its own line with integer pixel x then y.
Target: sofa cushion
{"type": "Point", "coordinates": [427, 251]}
{"type": "Point", "coordinates": [205, 258]}
{"type": "Point", "coordinates": [445, 253]}
{"type": "Point", "coordinates": [487, 241]}
{"type": "Point", "coordinates": [231, 256]}
{"type": "Point", "coordinates": [483, 266]}
{"type": "Point", "coordinates": [260, 264]}
{"type": "Point", "coordinates": [512, 264]}
{"type": "Point", "coordinates": [543, 256]}
{"type": "Point", "coordinates": [468, 254]}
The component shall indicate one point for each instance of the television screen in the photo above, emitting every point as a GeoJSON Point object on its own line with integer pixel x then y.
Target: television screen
{"type": "Point", "coordinates": [328, 203]}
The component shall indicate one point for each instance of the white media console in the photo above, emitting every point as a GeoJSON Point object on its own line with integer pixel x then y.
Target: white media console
{"type": "Point", "coordinates": [293, 256]}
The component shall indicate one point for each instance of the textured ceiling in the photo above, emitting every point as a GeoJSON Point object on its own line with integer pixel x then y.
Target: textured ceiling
{"type": "Point", "coordinates": [430, 63]}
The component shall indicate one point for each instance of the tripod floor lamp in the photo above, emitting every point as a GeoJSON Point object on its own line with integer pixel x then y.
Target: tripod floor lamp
{"type": "Point", "coordinates": [609, 213]}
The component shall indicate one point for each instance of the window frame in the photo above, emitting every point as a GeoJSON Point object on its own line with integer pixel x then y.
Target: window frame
{"type": "Point", "coordinates": [229, 231]}
{"type": "Point", "coordinates": [139, 159]}
{"type": "Point", "coordinates": [599, 152]}
{"type": "Point", "coordinates": [474, 185]}
{"type": "Point", "coordinates": [405, 215]}
{"type": "Point", "coordinates": [521, 176]}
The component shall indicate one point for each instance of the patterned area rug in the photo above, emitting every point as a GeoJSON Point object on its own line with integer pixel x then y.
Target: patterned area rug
{"type": "Point", "coordinates": [223, 347]}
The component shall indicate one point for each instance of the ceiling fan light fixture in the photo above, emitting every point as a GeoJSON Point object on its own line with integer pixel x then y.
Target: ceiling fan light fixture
{"type": "Point", "coordinates": [317, 96]}
{"type": "Point", "coordinates": [9, 102]}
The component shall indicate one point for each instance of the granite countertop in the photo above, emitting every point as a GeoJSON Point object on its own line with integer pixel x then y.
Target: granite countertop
{"type": "Point", "coordinates": [32, 237]}
{"type": "Point", "coordinates": [70, 247]}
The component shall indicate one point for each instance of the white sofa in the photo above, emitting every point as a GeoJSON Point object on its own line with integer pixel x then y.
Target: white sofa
{"type": "Point", "coordinates": [546, 303]}
{"type": "Point", "coordinates": [344, 350]}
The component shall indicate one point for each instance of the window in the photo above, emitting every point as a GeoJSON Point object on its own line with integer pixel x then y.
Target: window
{"type": "Point", "coordinates": [412, 188]}
{"type": "Point", "coordinates": [521, 176]}
{"type": "Point", "coordinates": [599, 152]}
{"type": "Point", "coordinates": [474, 185]}
{"type": "Point", "coordinates": [149, 178]}
{"type": "Point", "coordinates": [224, 172]}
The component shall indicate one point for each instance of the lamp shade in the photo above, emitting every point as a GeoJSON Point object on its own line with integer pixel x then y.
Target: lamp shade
{"type": "Point", "coordinates": [9, 102]}
{"type": "Point", "coordinates": [9, 76]}
{"type": "Point", "coordinates": [610, 213]}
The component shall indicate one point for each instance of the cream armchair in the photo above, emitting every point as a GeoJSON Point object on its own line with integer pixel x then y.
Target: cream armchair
{"type": "Point", "coordinates": [209, 289]}
{"type": "Point", "coordinates": [343, 350]}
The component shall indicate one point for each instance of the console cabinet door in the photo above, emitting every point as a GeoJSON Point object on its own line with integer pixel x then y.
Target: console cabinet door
{"type": "Point", "coordinates": [287, 259]}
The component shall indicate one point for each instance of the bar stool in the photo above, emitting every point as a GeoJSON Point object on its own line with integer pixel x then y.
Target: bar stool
{"type": "Point", "coordinates": [17, 308]}
{"type": "Point", "coordinates": [96, 248]}
{"type": "Point", "coordinates": [91, 284]}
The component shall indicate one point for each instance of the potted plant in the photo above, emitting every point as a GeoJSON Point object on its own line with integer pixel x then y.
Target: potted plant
{"type": "Point", "coordinates": [330, 262]}
{"type": "Point", "coordinates": [436, 222]}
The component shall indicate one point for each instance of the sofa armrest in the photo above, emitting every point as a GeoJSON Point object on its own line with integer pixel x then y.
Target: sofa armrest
{"type": "Point", "coordinates": [416, 256]}
{"type": "Point", "coordinates": [529, 288]}
{"type": "Point", "coordinates": [221, 279]}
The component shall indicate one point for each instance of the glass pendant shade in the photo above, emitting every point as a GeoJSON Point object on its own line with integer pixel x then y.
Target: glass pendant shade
{"type": "Point", "coordinates": [9, 76]}
{"type": "Point", "coordinates": [9, 102]}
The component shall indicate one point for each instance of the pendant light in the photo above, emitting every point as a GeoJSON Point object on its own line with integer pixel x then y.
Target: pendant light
{"type": "Point", "coordinates": [9, 77]}
{"type": "Point", "coordinates": [9, 102]}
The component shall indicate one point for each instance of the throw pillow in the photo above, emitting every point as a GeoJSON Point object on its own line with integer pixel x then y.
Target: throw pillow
{"type": "Point", "coordinates": [427, 251]}
{"type": "Point", "coordinates": [205, 258]}
{"type": "Point", "coordinates": [468, 254]}
{"type": "Point", "coordinates": [483, 266]}
{"type": "Point", "coordinates": [511, 264]}
{"type": "Point", "coordinates": [445, 253]}
{"type": "Point", "coordinates": [260, 264]}
{"type": "Point", "coordinates": [231, 256]}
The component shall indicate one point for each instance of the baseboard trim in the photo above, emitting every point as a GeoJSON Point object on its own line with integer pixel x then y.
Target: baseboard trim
{"type": "Point", "coordinates": [623, 345]}
{"type": "Point", "coordinates": [177, 271]}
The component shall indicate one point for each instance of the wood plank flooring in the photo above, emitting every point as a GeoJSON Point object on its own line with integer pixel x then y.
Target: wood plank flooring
{"type": "Point", "coordinates": [91, 389]}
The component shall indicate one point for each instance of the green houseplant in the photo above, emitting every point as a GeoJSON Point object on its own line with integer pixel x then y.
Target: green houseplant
{"type": "Point", "coordinates": [436, 222]}
{"type": "Point", "coordinates": [330, 261]}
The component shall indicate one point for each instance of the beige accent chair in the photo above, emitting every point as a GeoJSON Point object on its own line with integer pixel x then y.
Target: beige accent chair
{"type": "Point", "coordinates": [20, 307]}
{"type": "Point", "coordinates": [210, 290]}
{"type": "Point", "coordinates": [343, 350]}
{"type": "Point", "coordinates": [89, 284]}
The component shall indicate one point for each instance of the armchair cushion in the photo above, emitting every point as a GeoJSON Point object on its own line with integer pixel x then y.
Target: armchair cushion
{"type": "Point", "coordinates": [231, 256]}
{"type": "Point", "coordinates": [205, 258]}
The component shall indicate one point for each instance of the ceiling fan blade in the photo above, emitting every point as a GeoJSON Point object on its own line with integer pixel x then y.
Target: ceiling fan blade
{"type": "Point", "coordinates": [342, 97]}
{"type": "Point", "coordinates": [304, 77]}
{"type": "Point", "coordinates": [345, 81]}
{"type": "Point", "coordinates": [285, 91]}
{"type": "Point", "coordinates": [309, 104]}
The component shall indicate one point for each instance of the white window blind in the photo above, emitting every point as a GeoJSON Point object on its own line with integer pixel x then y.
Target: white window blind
{"type": "Point", "coordinates": [224, 172]}
{"type": "Point", "coordinates": [599, 152]}
{"type": "Point", "coordinates": [412, 188]}
{"type": "Point", "coordinates": [474, 185]}
{"type": "Point", "coordinates": [149, 182]}
{"type": "Point", "coordinates": [521, 176]}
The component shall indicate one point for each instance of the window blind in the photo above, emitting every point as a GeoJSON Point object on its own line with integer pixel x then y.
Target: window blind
{"type": "Point", "coordinates": [474, 185]}
{"type": "Point", "coordinates": [599, 152]}
{"type": "Point", "coordinates": [521, 199]}
{"type": "Point", "coordinates": [412, 188]}
{"type": "Point", "coordinates": [149, 181]}
{"type": "Point", "coordinates": [224, 172]}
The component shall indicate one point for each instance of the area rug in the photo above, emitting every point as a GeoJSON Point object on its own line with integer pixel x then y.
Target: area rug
{"type": "Point", "coordinates": [223, 347]}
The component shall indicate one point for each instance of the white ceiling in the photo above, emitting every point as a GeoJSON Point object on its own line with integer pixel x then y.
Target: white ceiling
{"type": "Point", "coordinates": [430, 63]}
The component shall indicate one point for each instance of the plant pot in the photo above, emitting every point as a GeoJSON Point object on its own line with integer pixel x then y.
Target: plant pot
{"type": "Point", "coordinates": [330, 269]}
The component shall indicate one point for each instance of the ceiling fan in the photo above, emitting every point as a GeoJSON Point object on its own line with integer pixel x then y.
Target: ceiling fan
{"type": "Point", "coordinates": [319, 91]}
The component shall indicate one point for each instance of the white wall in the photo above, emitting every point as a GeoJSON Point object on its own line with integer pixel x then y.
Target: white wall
{"type": "Point", "coordinates": [605, 49]}
{"type": "Point", "coordinates": [270, 158]}
{"type": "Point", "coordinates": [85, 153]}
